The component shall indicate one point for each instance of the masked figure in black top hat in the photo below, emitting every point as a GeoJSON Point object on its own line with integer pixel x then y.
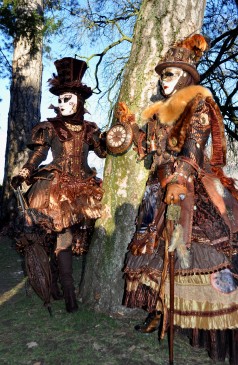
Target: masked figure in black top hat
{"type": "Point", "coordinates": [66, 190]}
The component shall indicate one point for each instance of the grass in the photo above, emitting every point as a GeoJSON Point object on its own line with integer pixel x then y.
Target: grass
{"type": "Point", "coordinates": [29, 336]}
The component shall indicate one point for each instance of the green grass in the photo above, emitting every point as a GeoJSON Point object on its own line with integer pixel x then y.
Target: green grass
{"type": "Point", "coordinates": [30, 336]}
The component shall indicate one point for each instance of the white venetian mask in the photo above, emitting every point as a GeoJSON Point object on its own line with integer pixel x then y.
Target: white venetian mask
{"type": "Point", "coordinates": [169, 78]}
{"type": "Point", "coordinates": [67, 104]}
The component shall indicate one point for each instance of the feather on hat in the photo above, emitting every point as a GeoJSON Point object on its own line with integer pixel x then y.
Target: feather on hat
{"type": "Point", "coordinates": [185, 54]}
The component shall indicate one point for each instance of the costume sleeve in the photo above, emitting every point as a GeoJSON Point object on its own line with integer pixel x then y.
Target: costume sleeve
{"type": "Point", "coordinates": [139, 139]}
{"type": "Point", "coordinates": [96, 139]}
{"type": "Point", "coordinates": [191, 157]}
{"type": "Point", "coordinates": [39, 144]}
{"type": "Point", "coordinates": [99, 143]}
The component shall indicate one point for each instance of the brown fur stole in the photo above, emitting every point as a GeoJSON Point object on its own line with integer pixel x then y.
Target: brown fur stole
{"type": "Point", "coordinates": [170, 110]}
{"type": "Point", "coordinates": [178, 111]}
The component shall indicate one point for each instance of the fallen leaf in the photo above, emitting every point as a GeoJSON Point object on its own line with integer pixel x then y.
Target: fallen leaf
{"type": "Point", "coordinates": [32, 344]}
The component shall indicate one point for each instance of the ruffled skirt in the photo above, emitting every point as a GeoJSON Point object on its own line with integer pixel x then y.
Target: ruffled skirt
{"type": "Point", "coordinates": [66, 199]}
{"type": "Point", "coordinates": [206, 291]}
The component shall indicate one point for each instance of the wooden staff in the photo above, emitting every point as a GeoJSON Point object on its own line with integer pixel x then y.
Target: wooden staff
{"type": "Point", "coordinates": [172, 216]}
{"type": "Point", "coordinates": [171, 310]}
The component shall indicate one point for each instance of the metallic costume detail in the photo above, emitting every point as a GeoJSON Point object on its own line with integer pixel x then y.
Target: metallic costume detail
{"type": "Point", "coordinates": [74, 128]}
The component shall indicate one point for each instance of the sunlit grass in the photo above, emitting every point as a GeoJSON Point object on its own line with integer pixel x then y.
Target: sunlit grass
{"type": "Point", "coordinates": [10, 293]}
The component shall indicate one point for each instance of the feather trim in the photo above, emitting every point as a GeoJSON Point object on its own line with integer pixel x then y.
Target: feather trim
{"type": "Point", "coordinates": [196, 43]}
{"type": "Point", "coordinates": [179, 130]}
{"type": "Point", "coordinates": [177, 242]}
{"type": "Point", "coordinates": [170, 109]}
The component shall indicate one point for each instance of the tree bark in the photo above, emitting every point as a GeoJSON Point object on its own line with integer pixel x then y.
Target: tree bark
{"type": "Point", "coordinates": [159, 25]}
{"type": "Point", "coordinates": [24, 110]}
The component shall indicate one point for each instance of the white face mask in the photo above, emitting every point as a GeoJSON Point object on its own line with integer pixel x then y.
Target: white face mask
{"type": "Point", "coordinates": [169, 78]}
{"type": "Point", "coordinates": [67, 104]}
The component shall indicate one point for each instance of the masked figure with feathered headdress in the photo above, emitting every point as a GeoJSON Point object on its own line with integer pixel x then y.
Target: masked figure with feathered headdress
{"type": "Point", "coordinates": [186, 180]}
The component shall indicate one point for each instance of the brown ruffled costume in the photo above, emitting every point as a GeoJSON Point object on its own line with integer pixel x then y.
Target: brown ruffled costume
{"type": "Point", "coordinates": [205, 236]}
{"type": "Point", "coordinates": [66, 193]}
{"type": "Point", "coordinates": [66, 189]}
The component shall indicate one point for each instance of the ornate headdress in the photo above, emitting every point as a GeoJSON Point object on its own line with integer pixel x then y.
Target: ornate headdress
{"type": "Point", "coordinates": [69, 78]}
{"type": "Point", "coordinates": [185, 54]}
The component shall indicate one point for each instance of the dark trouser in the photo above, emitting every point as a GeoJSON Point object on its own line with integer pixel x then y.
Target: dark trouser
{"type": "Point", "coordinates": [55, 290]}
{"type": "Point", "coordinates": [65, 265]}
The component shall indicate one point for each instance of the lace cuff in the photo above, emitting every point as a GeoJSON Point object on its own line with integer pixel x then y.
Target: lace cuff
{"type": "Point", "coordinates": [25, 173]}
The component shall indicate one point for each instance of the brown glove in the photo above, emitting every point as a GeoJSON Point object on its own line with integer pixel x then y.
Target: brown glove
{"type": "Point", "coordinates": [175, 193]}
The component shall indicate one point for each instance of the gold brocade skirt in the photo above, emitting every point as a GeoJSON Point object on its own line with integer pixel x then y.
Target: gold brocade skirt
{"type": "Point", "coordinates": [197, 304]}
{"type": "Point", "coordinates": [206, 288]}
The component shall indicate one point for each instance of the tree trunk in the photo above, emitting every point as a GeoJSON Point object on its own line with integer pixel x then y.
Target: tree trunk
{"type": "Point", "coordinates": [159, 25]}
{"type": "Point", "coordinates": [24, 110]}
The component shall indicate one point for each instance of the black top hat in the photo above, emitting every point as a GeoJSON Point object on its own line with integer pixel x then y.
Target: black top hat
{"type": "Point", "coordinates": [69, 78]}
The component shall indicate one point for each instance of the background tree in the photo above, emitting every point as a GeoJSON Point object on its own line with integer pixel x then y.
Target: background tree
{"type": "Point", "coordinates": [23, 19]}
{"type": "Point", "coordinates": [23, 24]}
{"type": "Point", "coordinates": [108, 26]}
{"type": "Point", "coordinates": [158, 25]}
{"type": "Point", "coordinates": [219, 71]}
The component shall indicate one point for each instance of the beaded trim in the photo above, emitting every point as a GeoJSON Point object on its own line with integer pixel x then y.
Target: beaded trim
{"type": "Point", "coordinates": [74, 128]}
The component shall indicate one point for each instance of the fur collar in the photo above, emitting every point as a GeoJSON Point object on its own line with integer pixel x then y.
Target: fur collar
{"type": "Point", "coordinates": [169, 110]}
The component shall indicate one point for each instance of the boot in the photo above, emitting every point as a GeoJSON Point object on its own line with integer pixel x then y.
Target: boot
{"type": "Point", "coordinates": [150, 324]}
{"type": "Point", "coordinates": [65, 261]}
{"type": "Point", "coordinates": [55, 290]}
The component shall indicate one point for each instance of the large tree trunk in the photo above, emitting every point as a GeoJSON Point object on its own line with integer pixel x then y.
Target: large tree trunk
{"type": "Point", "coordinates": [159, 24]}
{"type": "Point", "coordinates": [24, 111]}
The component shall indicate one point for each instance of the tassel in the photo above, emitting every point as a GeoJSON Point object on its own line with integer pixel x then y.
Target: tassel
{"type": "Point", "coordinates": [178, 244]}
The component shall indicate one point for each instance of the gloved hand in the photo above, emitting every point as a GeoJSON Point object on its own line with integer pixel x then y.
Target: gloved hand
{"type": "Point", "coordinates": [20, 178]}
{"type": "Point", "coordinates": [124, 114]}
{"type": "Point", "coordinates": [17, 181]}
{"type": "Point", "coordinates": [175, 193]}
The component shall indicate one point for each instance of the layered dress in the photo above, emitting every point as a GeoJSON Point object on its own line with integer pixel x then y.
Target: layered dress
{"type": "Point", "coordinates": [205, 234]}
{"type": "Point", "coordinates": [66, 191]}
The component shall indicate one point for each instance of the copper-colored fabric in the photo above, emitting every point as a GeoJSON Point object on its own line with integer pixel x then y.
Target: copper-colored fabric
{"type": "Point", "coordinates": [66, 191]}
{"type": "Point", "coordinates": [66, 199]}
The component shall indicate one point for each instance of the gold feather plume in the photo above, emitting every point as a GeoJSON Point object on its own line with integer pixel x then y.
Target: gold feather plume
{"type": "Point", "coordinates": [197, 43]}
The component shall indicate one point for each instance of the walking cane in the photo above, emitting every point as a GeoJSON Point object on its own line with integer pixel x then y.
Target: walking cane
{"type": "Point", "coordinates": [172, 215]}
{"type": "Point", "coordinates": [171, 311]}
